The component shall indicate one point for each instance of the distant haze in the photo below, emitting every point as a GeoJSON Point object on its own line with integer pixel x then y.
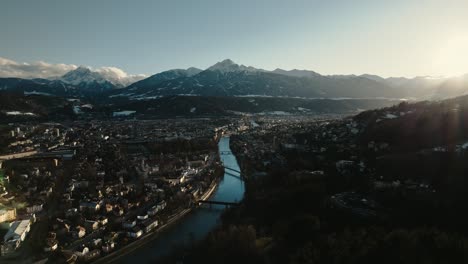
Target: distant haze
{"type": "Point", "coordinates": [126, 38]}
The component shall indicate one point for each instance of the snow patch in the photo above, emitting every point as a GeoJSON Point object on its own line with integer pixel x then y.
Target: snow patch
{"type": "Point", "coordinates": [123, 113]}
{"type": "Point", "coordinates": [391, 116]}
{"type": "Point", "coordinates": [15, 113]}
{"type": "Point", "coordinates": [37, 93]}
{"type": "Point", "coordinates": [77, 110]}
{"type": "Point", "coordinates": [275, 113]}
{"type": "Point", "coordinates": [121, 95]}
{"type": "Point", "coordinates": [465, 145]}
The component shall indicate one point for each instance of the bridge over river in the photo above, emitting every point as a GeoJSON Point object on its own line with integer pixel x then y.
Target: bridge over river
{"type": "Point", "coordinates": [201, 220]}
{"type": "Point", "coordinates": [228, 172]}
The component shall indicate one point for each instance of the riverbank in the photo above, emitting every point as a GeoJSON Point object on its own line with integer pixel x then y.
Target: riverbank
{"type": "Point", "coordinates": [190, 225]}
{"type": "Point", "coordinates": [116, 255]}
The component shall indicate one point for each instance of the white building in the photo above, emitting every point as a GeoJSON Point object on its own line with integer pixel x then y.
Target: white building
{"type": "Point", "coordinates": [18, 231]}
{"type": "Point", "coordinates": [135, 233]}
{"type": "Point", "coordinates": [15, 235]}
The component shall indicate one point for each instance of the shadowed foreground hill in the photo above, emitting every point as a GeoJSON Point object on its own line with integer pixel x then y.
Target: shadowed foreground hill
{"type": "Point", "coordinates": [209, 105]}
{"type": "Point", "coordinates": [16, 107]}
{"type": "Point", "coordinates": [419, 125]}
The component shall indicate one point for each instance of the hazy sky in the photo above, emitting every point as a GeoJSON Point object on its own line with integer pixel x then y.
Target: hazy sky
{"type": "Point", "coordinates": [389, 38]}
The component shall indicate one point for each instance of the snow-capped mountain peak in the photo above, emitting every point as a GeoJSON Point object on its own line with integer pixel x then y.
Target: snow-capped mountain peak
{"type": "Point", "coordinates": [193, 71]}
{"type": "Point", "coordinates": [82, 75]}
{"type": "Point", "coordinates": [228, 65]}
{"type": "Point", "coordinates": [108, 76]}
{"type": "Point", "coordinates": [82, 69]}
{"type": "Point", "coordinates": [297, 73]}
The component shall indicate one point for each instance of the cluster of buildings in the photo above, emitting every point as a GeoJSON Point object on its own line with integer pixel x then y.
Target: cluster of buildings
{"type": "Point", "coordinates": [24, 195]}
{"type": "Point", "coordinates": [24, 140]}
{"type": "Point", "coordinates": [328, 151]}
{"type": "Point", "coordinates": [100, 185]}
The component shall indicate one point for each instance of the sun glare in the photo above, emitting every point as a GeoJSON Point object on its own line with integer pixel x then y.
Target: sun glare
{"type": "Point", "coordinates": [452, 58]}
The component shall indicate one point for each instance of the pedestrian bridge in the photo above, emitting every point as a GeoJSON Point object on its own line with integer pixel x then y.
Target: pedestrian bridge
{"type": "Point", "coordinates": [226, 204]}
{"type": "Point", "coordinates": [233, 173]}
{"type": "Point", "coordinates": [232, 170]}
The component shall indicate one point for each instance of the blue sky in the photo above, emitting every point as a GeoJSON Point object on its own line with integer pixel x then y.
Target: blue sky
{"type": "Point", "coordinates": [389, 38]}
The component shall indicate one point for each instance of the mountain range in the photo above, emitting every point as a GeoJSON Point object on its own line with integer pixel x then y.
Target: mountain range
{"type": "Point", "coordinates": [227, 78]}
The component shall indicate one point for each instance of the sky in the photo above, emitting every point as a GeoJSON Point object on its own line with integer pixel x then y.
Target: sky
{"type": "Point", "coordinates": [387, 38]}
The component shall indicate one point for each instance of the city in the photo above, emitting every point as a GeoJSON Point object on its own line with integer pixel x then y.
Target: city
{"type": "Point", "coordinates": [234, 132]}
{"type": "Point", "coordinates": [91, 188]}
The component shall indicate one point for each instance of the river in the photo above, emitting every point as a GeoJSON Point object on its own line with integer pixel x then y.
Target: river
{"type": "Point", "coordinates": [200, 221]}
